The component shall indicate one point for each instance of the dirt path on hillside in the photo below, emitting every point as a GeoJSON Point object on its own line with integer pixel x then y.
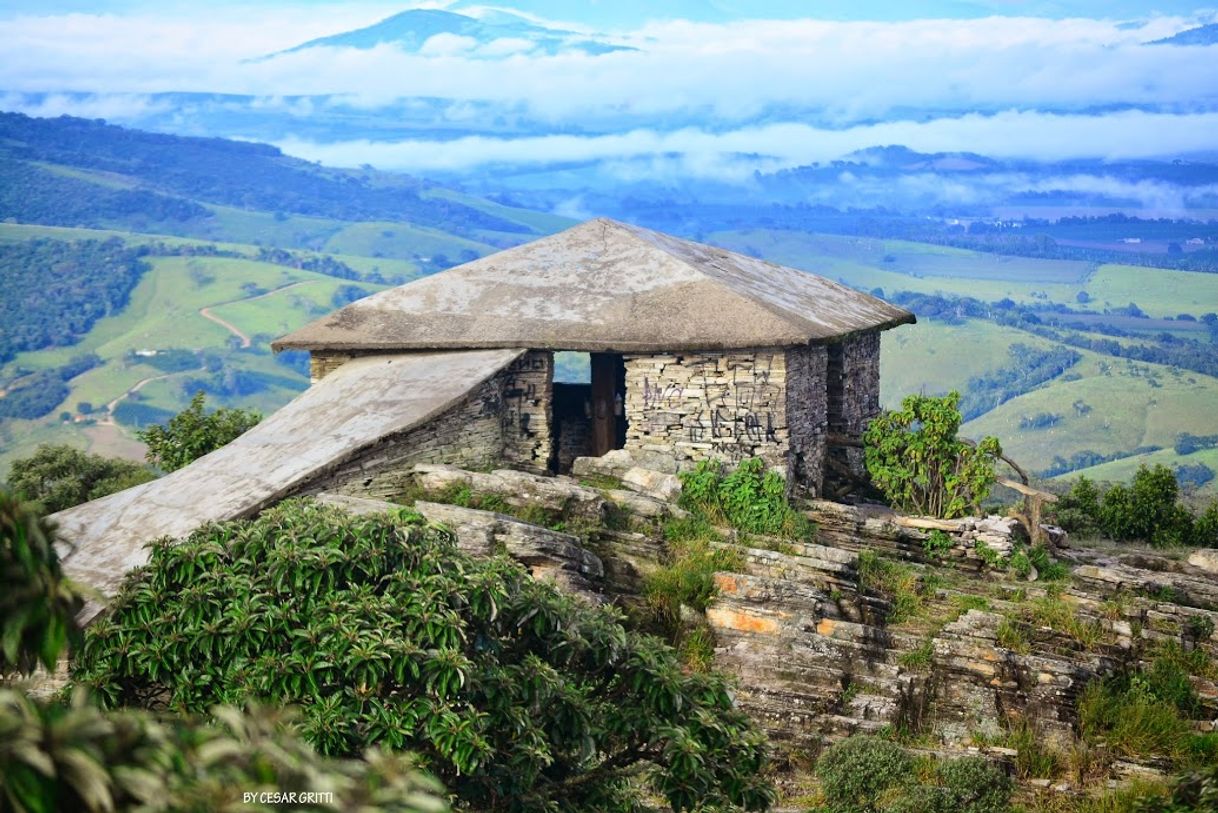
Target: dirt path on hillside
{"type": "Point", "coordinates": [229, 326]}
{"type": "Point", "coordinates": [108, 420]}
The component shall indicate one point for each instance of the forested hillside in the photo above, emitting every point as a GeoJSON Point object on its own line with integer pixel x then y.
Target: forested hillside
{"type": "Point", "coordinates": [170, 264]}
{"type": "Point", "coordinates": [141, 268]}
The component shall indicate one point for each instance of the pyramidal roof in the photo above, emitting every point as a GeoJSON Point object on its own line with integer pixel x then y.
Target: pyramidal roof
{"type": "Point", "coordinates": [603, 286]}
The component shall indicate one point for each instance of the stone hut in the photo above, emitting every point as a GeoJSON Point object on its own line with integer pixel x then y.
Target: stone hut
{"type": "Point", "coordinates": [695, 353]}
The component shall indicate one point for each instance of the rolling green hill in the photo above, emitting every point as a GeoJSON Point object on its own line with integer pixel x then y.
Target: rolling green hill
{"type": "Point", "coordinates": [242, 244]}
{"type": "Point", "coordinates": [239, 243]}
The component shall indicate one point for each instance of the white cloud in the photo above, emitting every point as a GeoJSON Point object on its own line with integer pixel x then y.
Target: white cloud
{"type": "Point", "coordinates": [855, 69]}
{"type": "Point", "coordinates": [819, 85]}
{"type": "Point", "coordinates": [447, 45]}
{"type": "Point", "coordinates": [734, 154]}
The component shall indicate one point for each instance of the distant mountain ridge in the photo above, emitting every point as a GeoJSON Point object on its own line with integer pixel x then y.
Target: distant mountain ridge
{"type": "Point", "coordinates": [411, 30]}
{"type": "Point", "coordinates": [1201, 35]}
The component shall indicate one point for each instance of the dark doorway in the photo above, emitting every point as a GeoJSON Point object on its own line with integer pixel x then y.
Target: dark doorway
{"type": "Point", "coordinates": [608, 403]}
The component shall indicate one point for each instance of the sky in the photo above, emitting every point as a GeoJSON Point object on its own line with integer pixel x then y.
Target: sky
{"type": "Point", "coordinates": [782, 82]}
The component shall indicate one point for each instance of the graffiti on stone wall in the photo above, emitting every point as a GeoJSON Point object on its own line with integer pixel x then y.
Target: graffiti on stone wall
{"type": "Point", "coordinates": [735, 416]}
{"type": "Point", "coordinates": [520, 393]}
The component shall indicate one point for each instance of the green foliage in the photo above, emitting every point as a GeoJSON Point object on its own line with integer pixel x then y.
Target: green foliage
{"type": "Point", "coordinates": [1010, 635]}
{"type": "Point", "coordinates": [869, 774]}
{"type": "Point", "coordinates": [976, 785]}
{"type": "Point", "coordinates": [38, 604]}
{"type": "Point", "coordinates": [192, 433]}
{"type": "Point", "coordinates": [55, 291]}
{"type": "Point", "coordinates": [1033, 758]}
{"type": "Point", "coordinates": [750, 498]}
{"type": "Point", "coordinates": [1146, 510]}
{"type": "Point", "coordinates": [58, 477]}
{"type": "Point", "coordinates": [1194, 792]}
{"type": "Point", "coordinates": [1048, 568]}
{"type": "Point", "coordinates": [688, 577]}
{"type": "Point", "coordinates": [916, 460]}
{"type": "Point", "coordinates": [859, 771]}
{"type": "Point", "coordinates": [79, 758]}
{"type": "Point", "coordinates": [937, 544]}
{"type": "Point", "coordinates": [515, 695]}
{"type": "Point", "coordinates": [1139, 714]}
{"type": "Point", "coordinates": [893, 581]}
{"type": "Point", "coordinates": [919, 659]}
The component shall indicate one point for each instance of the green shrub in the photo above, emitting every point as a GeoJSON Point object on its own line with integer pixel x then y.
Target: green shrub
{"type": "Point", "coordinates": [919, 659]}
{"type": "Point", "coordinates": [192, 433]}
{"type": "Point", "coordinates": [385, 634]}
{"type": "Point", "coordinates": [859, 771]}
{"type": "Point", "coordinates": [59, 477]}
{"type": "Point", "coordinates": [976, 785]}
{"type": "Point", "coordinates": [80, 758]}
{"type": "Point", "coordinates": [916, 460]}
{"type": "Point", "coordinates": [1078, 511]}
{"type": "Point", "coordinates": [750, 498]}
{"type": "Point", "coordinates": [1033, 759]}
{"type": "Point", "coordinates": [1194, 792]}
{"type": "Point", "coordinates": [937, 544]}
{"type": "Point", "coordinates": [38, 604]}
{"type": "Point", "coordinates": [921, 799]}
{"type": "Point", "coordinates": [1146, 510]}
{"type": "Point", "coordinates": [1047, 568]}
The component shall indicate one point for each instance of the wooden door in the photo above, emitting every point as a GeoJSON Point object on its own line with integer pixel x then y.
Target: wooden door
{"type": "Point", "coordinates": [604, 422]}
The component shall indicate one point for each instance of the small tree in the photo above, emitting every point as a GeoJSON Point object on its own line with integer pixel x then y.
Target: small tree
{"type": "Point", "coordinates": [60, 476]}
{"type": "Point", "coordinates": [519, 697]}
{"type": "Point", "coordinates": [76, 757]}
{"type": "Point", "coordinates": [38, 604]}
{"type": "Point", "coordinates": [916, 460]}
{"type": "Point", "coordinates": [1147, 509]}
{"type": "Point", "coordinates": [192, 433]}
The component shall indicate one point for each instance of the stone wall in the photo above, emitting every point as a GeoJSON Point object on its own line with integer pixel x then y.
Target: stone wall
{"type": "Point", "coordinates": [806, 413]}
{"type": "Point", "coordinates": [854, 395]}
{"type": "Point", "coordinates": [322, 364]}
{"type": "Point", "coordinates": [469, 435]}
{"type": "Point", "coordinates": [528, 395]}
{"type": "Point", "coordinates": [709, 406]}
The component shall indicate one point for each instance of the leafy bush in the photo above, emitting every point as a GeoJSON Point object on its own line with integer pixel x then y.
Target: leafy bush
{"type": "Point", "coordinates": [38, 604]}
{"type": "Point", "coordinates": [857, 773]}
{"type": "Point", "coordinates": [80, 758]}
{"type": "Point", "coordinates": [976, 785]}
{"type": "Point", "coordinates": [59, 477]}
{"type": "Point", "coordinates": [1194, 792]}
{"type": "Point", "coordinates": [937, 544]}
{"type": "Point", "coordinates": [191, 434]}
{"type": "Point", "coordinates": [386, 634]}
{"type": "Point", "coordinates": [750, 498]}
{"type": "Point", "coordinates": [916, 460]}
{"type": "Point", "coordinates": [1147, 510]}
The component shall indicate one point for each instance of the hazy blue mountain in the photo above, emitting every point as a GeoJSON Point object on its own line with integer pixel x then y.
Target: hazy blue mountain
{"type": "Point", "coordinates": [410, 30]}
{"type": "Point", "coordinates": [1201, 35]}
